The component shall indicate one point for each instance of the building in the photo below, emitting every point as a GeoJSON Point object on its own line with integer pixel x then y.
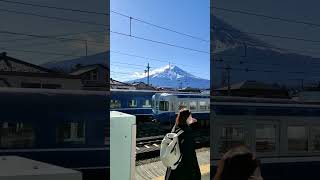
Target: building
{"type": "Point", "coordinates": [21, 74]}
{"type": "Point", "coordinates": [93, 77]}
{"type": "Point", "coordinates": [114, 84]}
{"type": "Point", "coordinates": [143, 86]}
{"type": "Point", "coordinates": [253, 89]}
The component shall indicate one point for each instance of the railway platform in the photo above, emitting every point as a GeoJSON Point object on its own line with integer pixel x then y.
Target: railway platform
{"type": "Point", "coordinates": [156, 170]}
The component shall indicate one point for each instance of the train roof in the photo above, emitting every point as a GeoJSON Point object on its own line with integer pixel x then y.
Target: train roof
{"type": "Point", "coordinates": [231, 100]}
{"type": "Point", "coordinates": [133, 90]}
{"type": "Point", "coordinates": [186, 95]}
{"type": "Point", "coordinates": [4, 90]}
{"type": "Point", "coordinates": [30, 100]}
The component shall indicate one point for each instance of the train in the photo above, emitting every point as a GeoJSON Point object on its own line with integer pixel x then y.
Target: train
{"type": "Point", "coordinates": [165, 107]}
{"type": "Point", "coordinates": [160, 106]}
{"type": "Point", "coordinates": [283, 133]}
{"type": "Point", "coordinates": [67, 128]}
{"type": "Point", "coordinates": [135, 102]}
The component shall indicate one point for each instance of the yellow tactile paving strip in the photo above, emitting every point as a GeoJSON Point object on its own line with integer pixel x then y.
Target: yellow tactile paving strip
{"type": "Point", "coordinates": [156, 171]}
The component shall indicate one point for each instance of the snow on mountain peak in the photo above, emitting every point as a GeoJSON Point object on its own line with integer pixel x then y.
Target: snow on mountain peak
{"type": "Point", "coordinates": [169, 71]}
{"type": "Point", "coordinates": [171, 76]}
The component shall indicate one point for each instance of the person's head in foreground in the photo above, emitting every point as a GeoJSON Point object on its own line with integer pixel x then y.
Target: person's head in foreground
{"type": "Point", "coordinates": [239, 163]}
{"type": "Point", "coordinates": [184, 118]}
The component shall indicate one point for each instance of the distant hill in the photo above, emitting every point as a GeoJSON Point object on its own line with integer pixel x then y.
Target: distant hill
{"type": "Point", "coordinates": [68, 65]}
{"type": "Point", "coordinates": [253, 59]}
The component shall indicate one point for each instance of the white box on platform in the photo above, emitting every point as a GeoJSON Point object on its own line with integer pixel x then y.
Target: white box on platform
{"type": "Point", "coordinates": [20, 168]}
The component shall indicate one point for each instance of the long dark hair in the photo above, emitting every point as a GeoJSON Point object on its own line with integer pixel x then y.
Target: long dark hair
{"type": "Point", "coordinates": [239, 166]}
{"type": "Point", "coordinates": [182, 117]}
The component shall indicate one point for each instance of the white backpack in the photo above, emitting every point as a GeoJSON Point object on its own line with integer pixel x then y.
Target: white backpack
{"type": "Point", "coordinates": [170, 154]}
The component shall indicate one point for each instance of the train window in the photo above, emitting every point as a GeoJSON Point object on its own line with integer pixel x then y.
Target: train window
{"type": "Point", "coordinates": [16, 135]}
{"type": "Point", "coordinates": [231, 136]}
{"type": "Point", "coordinates": [315, 136]}
{"type": "Point", "coordinates": [115, 104]}
{"type": "Point", "coordinates": [182, 104]}
{"type": "Point", "coordinates": [297, 138]}
{"type": "Point", "coordinates": [132, 103]}
{"type": "Point", "coordinates": [202, 105]}
{"type": "Point", "coordinates": [193, 105]}
{"type": "Point", "coordinates": [146, 103]}
{"type": "Point", "coordinates": [73, 133]}
{"type": "Point", "coordinates": [164, 106]}
{"type": "Point", "coordinates": [265, 138]}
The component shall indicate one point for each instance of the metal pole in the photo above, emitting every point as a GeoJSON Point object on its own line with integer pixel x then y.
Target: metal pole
{"type": "Point", "coordinates": [228, 68]}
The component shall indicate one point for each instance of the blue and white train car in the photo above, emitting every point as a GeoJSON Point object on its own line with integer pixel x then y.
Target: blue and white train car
{"type": "Point", "coordinates": [166, 106]}
{"type": "Point", "coordinates": [68, 128]}
{"type": "Point", "coordinates": [135, 102]}
{"type": "Point", "coordinates": [284, 133]}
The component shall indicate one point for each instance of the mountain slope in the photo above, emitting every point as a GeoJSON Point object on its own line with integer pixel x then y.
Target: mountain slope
{"type": "Point", "coordinates": [174, 77]}
{"type": "Point", "coordinates": [67, 65]}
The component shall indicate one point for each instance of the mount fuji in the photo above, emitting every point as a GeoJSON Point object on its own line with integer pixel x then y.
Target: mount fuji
{"type": "Point", "coordinates": [173, 77]}
{"type": "Point", "coordinates": [252, 59]}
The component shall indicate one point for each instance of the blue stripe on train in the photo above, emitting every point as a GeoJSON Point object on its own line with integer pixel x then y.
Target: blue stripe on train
{"type": "Point", "coordinates": [167, 117]}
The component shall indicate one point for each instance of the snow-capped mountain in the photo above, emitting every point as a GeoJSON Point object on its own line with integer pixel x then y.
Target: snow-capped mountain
{"type": "Point", "coordinates": [252, 59]}
{"type": "Point", "coordinates": [68, 65]}
{"type": "Point", "coordinates": [173, 77]}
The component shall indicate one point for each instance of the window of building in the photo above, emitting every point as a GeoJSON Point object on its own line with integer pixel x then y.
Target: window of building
{"type": "Point", "coordinates": [315, 136]}
{"type": "Point", "coordinates": [51, 86]}
{"type": "Point", "coordinates": [146, 103]}
{"type": "Point", "coordinates": [231, 135]}
{"type": "Point", "coordinates": [115, 104]}
{"type": "Point", "coordinates": [16, 135]}
{"type": "Point", "coordinates": [132, 103]}
{"type": "Point", "coordinates": [73, 133]}
{"type": "Point", "coordinates": [297, 138]}
{"type": "Point", "coordinates": [30, 85]}
{"type": "Point", "coordinates": [164, 106]}
{"type": "Point", "coordinates": [193, 105]}
{"type": "Point", "coordinates": [94, 75]}
{"type": "Point", "coordinates": [265, 138]}
{"type": "Point", "coordinates": [203, 105]}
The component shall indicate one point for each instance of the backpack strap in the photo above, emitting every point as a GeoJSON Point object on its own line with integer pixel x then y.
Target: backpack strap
{"type": "Point", "coordinates": [174, 129]}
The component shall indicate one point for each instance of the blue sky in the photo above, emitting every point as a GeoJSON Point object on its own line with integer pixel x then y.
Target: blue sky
{"type": "Point", "coordinates": [289, 9]}
{"type": "Point", "coordinates": [190, 17]}
{"type": "Point", "coordinates": [40, 51]}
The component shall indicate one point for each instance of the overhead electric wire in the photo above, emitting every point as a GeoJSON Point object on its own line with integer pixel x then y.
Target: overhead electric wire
{"type": "Point", "coordinates": [150, 58]}
{"type": "Point", "coordinates": [55, 7]}
{"type": "Point", "coordinates": [159, 42]}
{"type": "Point", "coordinates": [160, 27]}
{"type": "Point", "coordinates": [265, 71]}
{"type": "Point", "coordinates": [39, 52]}
{"type": "Point", "coordinates": [266, 16]}
{"type": "Point", "coordinates": [49, 37]}
{"type": "Point", "coordinates": [54, 18]}
{"type": "Point", "coordinates": [54, 36]}
{"type": "Point", "coordinates": [268, 35]}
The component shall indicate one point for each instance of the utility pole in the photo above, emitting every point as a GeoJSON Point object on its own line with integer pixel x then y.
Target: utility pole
{"type": "Point", "coordinates": [86, 44]}
{"type": "Point", "coordinates": [228, 68]}
{"type": "Point", "coordinates": [148, 71]}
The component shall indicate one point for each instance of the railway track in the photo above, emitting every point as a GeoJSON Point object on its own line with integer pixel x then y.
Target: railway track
{"type": "Point", "coordinates": [149, 147]}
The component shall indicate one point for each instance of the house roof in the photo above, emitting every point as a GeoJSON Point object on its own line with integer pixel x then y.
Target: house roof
{"type": "Point", "coordinates": [115, 82]}
{"type": "Point", "coordinates": [87, 68]}
{"type": "Point", "coordinates": [250, 85]}
{"type": "Point", "coordinates": [3, 56]}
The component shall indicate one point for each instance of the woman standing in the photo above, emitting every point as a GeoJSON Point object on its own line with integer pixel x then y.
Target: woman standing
{"type": "Point", "coordinates": [188, 168]}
